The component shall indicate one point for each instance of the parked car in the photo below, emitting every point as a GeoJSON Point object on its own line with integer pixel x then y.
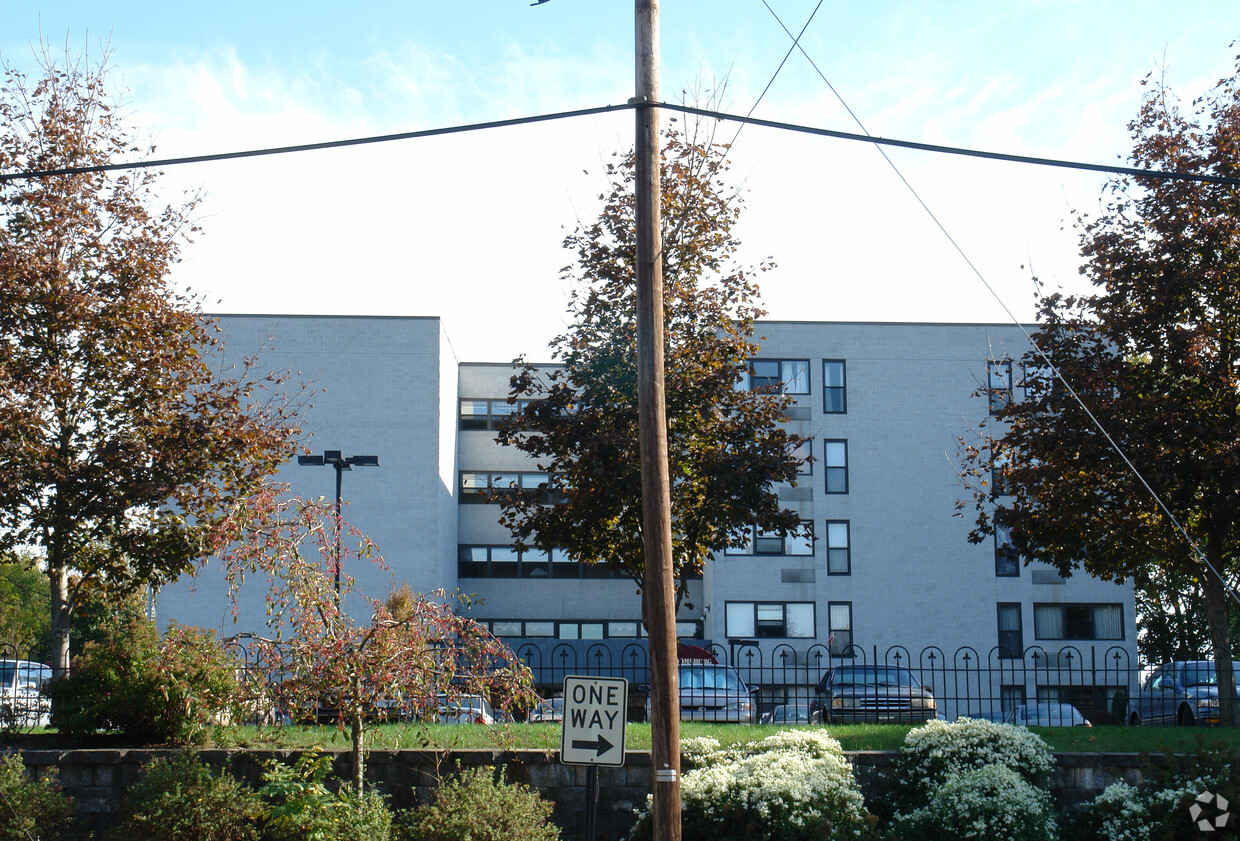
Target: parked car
{"type": "Point", "coordinates": [711, 692]}
{"type": "Point", "coordinates": [1048, 714]}
{"type": "Point", "coordinates": [886, 694]}
{"type": "Point", "coordinates": [1183, 692]}
{"type": "Point", "coordinates": [790, 714]}
{"type": "Point", "coordinates": [22, 702]}
{"type": "Point", "coordinates": [552, 709]}
{"type": "Point", "coordinates": [465, 709]}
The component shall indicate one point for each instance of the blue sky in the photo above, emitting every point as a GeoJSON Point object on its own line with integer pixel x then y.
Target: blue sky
{"type": "Point", "coordinates": [469, 227]}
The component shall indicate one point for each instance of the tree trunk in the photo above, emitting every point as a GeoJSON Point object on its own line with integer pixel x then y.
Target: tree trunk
{"type": "Point", "coordinates": [58, 575]}
{"type": "Point", "coordinates": [1218, 618]}
{"type": "Point", "coordinates": [358, 755]}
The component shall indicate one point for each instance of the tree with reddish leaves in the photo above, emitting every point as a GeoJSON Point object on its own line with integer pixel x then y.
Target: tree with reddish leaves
{"type": "Point", "coordinates": [727, 447]}
{"type": "Point", "coordinates": [412, 655]}
{"type": "Point", "coordinates": [1129, 467]}
{"type": "Point", "coordinates": [122, 438]}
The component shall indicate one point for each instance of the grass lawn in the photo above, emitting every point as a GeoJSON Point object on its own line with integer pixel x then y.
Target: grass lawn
{"type": "Point", "coordinates": [854, 737]}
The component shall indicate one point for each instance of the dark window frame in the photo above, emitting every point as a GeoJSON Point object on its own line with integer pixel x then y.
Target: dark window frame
{"type": "Point", "coordinates": [1073, 626]}
{"type": "Point", "coordinates": [826, 538]}
{"type": "Point", "coordinates": [1013, 647]}
{"type": "Point", "coordinates": [840, 646]}
{"type": "Point", "coordinates": [1000, 393]}
{"type": "Point", "coordinates": [830, 470]}
{"type": "Point", "coordinates": [1007, 559]}
{"type": "Point", "coordinates": [777, 386]}
{"type": "Point", "coordinates": [840, 390]}
{"type": "Point", "coordinates": [770, 631]}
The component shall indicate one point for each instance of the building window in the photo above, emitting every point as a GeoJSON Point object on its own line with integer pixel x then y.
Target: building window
{"type": "Point", "coordinates": [999, 382]}
{"type": "Point", "coordinates": [1007, 561]}
{"type": "Point", "coordinates": [480, 487]}
{"type": "Point", "coordinates": [803, 452]}
{"type": "Point", "coordinates": [839, 551]}
{"type": "Point", "coordinates": [1011, 634]}
{"type": "Point", "coordinates": [782, 376]}
{"type": "Point", "coordinates": [487, 414]}
{"type": "Point", "coordinates": [1011, 697]}
{"type": "Point", "coordinates": [1039, 381]}
{"type": "Point", "coordinates": [840, 630]}
{"type": "Point", "coordinates": [475, 561]}
{"type": "Point", "coordinates": [834, 393]}
{"type": "Point", "coordinates": [754, 541]}
{"type": "Point", "coordinates": [769, 619]}
{"type": "Point", "coordinates": [835, 465]}
{"type": "Point", "coordinates": [1078, 621]}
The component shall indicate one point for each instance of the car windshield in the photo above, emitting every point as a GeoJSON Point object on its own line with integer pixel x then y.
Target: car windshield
{"type": "Point", "coordinates": [876, 676]}
{"type": "Point", "coordinates": [7, 672]}
{"type": "Point", "coordinates": [710, 677]}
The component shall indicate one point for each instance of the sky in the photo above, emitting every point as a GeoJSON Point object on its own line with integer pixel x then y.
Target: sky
{"type": "Point", "coordinates": [469, 227]}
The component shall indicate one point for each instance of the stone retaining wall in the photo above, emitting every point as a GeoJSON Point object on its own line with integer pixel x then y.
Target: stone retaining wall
{"type": "Point", "coordinates": [97, 779]}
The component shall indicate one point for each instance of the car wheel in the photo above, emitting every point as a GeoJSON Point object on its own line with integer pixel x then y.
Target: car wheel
{"type": "Point", "coordinates": [1134, 720]}
{"type": "Point", "coordinates": [1185, 717]}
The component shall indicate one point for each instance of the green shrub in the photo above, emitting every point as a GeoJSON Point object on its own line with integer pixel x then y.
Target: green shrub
{"type": "Point", "coordinates": [474, 806]}
{"type": "Point", "coordinates": [181, 799]}
{"type": "Point", "coordinates": [30, 809]}
{"type": "Point", "coordinates": [149, 689]}
{"type": "Point", "coordinates": [302, 808]}
{"type": "Point", "coordinates": [790, 786]}
{"type": "Point", "coordinates": [979, 804]}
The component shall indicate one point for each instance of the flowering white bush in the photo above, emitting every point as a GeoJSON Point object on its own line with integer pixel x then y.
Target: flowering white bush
{"type": "Point", "coordinates": [991, 802]}
{"type": "Point", "coordinates": [1156, 809]}
{"type": "Point", "coordinates": [790, 786]}
{"type": "Point", "coordinates": [940, 750]}
{"type": "Point", "coordinates": [700, 750]}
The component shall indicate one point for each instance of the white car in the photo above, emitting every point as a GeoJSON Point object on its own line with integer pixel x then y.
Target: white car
{"type": "Point", "coordinates": [1052, 714]}
{"type": "Point", "coordinates": [22, 702]}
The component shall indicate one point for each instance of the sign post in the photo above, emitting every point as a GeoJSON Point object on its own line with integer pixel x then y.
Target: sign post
{"type": "Point", "coordinates": [592, 733]}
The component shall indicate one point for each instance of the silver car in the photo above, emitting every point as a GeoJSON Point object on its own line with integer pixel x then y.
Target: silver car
{"type": "Point", "coordinates": [710, 692]}
{"type": "Point", "coordinates": [22, 702]}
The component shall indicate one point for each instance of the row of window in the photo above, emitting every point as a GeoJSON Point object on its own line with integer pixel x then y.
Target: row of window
{"type": "Point", "coordinates": [475, 561]}
{"type": "Point", "coordinates": [838, 539]}
{"type": "Point", "coordinates": [486, 486]}
{"type": "Point", "coordinates": [786, 376]}
{"type": "Point", "coordinates": [791, 376]}
{"type": "Point", "coordinates": [579, 630]}
{"type": "Point", "coordinates": [483, 486]}
{"type": "Point", "coordinates": [789, 620]}
{"type": "Point", "coordinates": [1001, 383]}
{"type": "Point", "coordinates": [1058, 622]}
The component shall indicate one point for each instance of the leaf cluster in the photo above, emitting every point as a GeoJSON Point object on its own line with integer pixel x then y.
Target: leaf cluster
{"type": "Point", "coordinates": [122, 437]}
{"type": "Point", "coordinates": [1142, 373]}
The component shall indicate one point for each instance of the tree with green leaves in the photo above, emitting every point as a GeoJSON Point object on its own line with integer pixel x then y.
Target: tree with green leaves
{"type": "Point", "coordinates": [1129, 466]}
{"type": "Point", "coordinates": [24, 600]}
{"type": "Point", "coordinates": [726, 446]}
{"type": "Point", "coordinates": [122, 438]}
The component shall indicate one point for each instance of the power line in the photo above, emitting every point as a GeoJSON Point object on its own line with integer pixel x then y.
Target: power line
{"type": "Point", "coordinates": [604, 109]}
{"type": "Point", "coordinates": [1041, 353]}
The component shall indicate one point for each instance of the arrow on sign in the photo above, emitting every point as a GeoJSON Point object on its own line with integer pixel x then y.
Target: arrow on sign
{"type": "Point", "coordinates": [601, 745]}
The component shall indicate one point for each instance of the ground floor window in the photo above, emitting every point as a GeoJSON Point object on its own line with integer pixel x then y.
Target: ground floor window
{"type": "Point", "coordinates": [770, 619]}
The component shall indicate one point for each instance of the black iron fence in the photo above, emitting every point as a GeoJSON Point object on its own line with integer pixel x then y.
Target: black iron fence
{"type": "Point", "coordinates": [1103, 684]}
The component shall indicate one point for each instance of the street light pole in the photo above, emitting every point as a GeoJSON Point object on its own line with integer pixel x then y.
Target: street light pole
{"type": "Point", "coordinates": [338, 460]}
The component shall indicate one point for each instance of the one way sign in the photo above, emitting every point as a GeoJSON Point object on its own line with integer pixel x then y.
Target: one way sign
{"type": "Point", "coordinates": [594, 715]}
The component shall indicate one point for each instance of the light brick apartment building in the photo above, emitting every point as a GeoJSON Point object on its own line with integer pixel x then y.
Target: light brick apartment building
{"type": "Point", "coordinates": [890, 573]}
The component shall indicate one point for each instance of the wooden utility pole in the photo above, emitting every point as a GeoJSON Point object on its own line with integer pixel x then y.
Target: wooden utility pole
{"type": "Point", "coordinates": [652, 425]}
